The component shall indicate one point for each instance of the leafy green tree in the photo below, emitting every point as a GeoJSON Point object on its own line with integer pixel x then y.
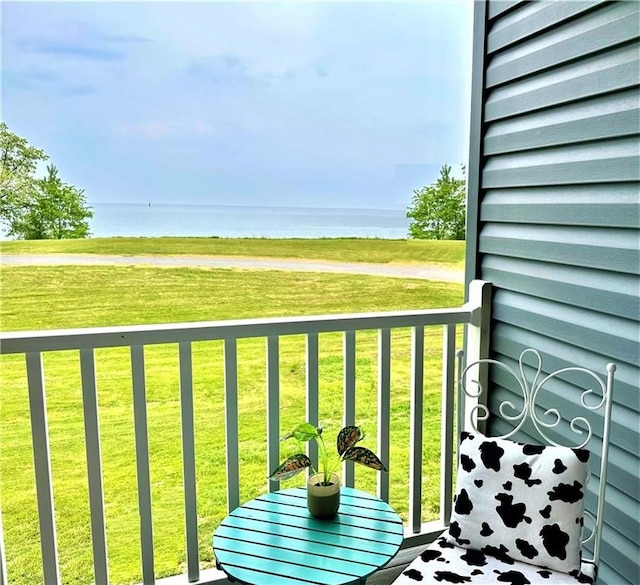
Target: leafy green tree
{"type": "Point", "coordinates": [18, 163]}
{"type": "Point", "coordinates": [58, 212]}
{"type": "Point", "coordinates": [438, 211]}
{"type": "Point", "coordinates": [32, 208]}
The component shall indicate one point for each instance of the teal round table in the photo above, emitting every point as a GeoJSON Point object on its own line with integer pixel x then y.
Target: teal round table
{"type": "Point", "coordinates": [273, 540]}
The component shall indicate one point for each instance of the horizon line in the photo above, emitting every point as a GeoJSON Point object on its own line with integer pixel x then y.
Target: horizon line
{"type": "Point", "coordinates": [152, 204]}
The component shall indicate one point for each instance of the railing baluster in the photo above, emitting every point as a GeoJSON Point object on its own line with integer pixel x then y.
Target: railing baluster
{"type": "Point", "coordinates": [384, 407]}
{"type": "Point", "coordinates": [4, 579]}
{"type": "Point", "coordinates": [42, 464]}
{"type": "Point", "coordinates": [273, 408]}
{"type": "Point", "coordinates": [417, 395]}
{"type": "Point", "coordinates": [461, 406]}
{"type": "Point", "coordinates": [349, 352]}
{"type": "Point", "coordinates": [448, 415]}
{"type": "Point", "coordinates": [189, 460]}
{"type": "Point", "coordinates": [231, 422]}
{"type": "Point", "coordinates": [312, 393]}
{"type": "Point", "coordinates": [94, 466]}
{"type": "Point", "coordinates": [142, 462]}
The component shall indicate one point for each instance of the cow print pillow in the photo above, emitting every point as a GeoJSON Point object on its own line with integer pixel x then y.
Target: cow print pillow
{"type": "Point", "coordinates": [518, 501]}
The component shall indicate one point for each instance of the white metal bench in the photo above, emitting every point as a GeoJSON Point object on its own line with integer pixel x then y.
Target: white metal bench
{"type": "Point", "coordinates": [517, 513]}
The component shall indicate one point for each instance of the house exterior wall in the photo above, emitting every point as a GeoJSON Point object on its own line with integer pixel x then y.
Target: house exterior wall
{"type": "Point", "coordinates": [554, 214]}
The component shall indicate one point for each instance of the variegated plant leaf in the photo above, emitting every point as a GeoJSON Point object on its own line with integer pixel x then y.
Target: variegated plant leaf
{"type": "Point", "coordinates": [303, 432]}
{"type": "Point", "coordinates": [365, 457]}
{"type": "Point", "coordinates": [292, 466]}
{"type": "Point", "coordinates": [348, 437]}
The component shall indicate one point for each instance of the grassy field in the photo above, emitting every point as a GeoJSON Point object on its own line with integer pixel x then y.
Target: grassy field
{"type": "Point", "coordinates": [70, 296]}
{"type": "Point", "coordinates": [441, 254]}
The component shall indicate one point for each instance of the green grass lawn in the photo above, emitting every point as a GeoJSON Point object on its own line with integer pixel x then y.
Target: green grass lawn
{"type": "Point", "coordinates": [71, 296]}
{"type": "Point", "coordinates": [443, 254]}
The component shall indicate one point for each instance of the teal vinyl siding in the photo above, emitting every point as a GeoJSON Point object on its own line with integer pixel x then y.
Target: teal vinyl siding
{"type": "Point", "coordinates": [554, 214]}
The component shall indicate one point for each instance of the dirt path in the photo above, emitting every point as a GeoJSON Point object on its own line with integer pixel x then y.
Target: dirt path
{"type": "Point", "coordinates": [390, 270]}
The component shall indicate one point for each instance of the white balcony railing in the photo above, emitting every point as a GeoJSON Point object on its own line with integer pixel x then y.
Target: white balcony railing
{"type": "Point", "coordinates": [34, 345]}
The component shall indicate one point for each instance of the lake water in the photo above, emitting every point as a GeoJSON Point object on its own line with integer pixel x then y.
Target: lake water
{"type": "Point", "coordinates": [130, 219]}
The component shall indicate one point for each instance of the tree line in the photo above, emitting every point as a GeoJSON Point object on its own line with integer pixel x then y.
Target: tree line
{"type": "Point", "coordinates": [34, 208]}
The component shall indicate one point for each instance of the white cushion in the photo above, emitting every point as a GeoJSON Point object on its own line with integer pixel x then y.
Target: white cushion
{"type": "Point", "coordinates": [444, 563]}
{"type": "Point", "coordinates": [523, 501]}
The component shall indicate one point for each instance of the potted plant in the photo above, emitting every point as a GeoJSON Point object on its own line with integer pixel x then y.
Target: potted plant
{"type": "Point", "coordinates": [323, 485]}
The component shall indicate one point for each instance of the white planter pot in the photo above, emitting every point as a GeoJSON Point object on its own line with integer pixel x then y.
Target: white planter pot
{"type": "Point", "coordinates": [323, 501]}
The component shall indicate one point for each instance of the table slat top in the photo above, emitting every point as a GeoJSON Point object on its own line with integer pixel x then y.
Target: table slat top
{"type": "Point", "coordinates": [273, 540]}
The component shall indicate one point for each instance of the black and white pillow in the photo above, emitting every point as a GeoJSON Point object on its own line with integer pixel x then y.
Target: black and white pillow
{"type": "Point", "coordinates": [523, 502]}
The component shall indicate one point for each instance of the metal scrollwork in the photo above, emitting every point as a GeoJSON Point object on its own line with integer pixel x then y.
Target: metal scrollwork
{"type": "Point", "coordinates": [592, 399]}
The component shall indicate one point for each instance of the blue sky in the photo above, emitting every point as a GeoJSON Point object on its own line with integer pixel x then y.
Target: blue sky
{"type": "Point", "coordinates": [314, 104]}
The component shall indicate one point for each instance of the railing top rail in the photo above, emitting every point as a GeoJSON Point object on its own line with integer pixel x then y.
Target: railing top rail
{"type": "Point", "coordinates": [119, 336]}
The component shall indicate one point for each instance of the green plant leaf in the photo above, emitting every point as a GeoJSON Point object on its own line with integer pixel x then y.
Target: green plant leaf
{"type": "Point", "coordinates": [304, 432]}
{"type": "Point", "coordinates": [348, 437]}
{"type": "Point", "coordinates": [292, 466]}
{"type": "Point", "coordinates": [364, 456]}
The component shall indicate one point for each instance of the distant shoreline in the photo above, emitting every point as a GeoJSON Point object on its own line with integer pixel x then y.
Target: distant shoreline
{"type": "Point", "coordinates": [245, 207]}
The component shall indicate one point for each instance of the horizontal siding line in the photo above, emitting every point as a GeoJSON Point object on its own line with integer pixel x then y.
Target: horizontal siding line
{"type": "Point", "coordinates": [604, 194]}
{"type": "Point", "coordinates": [612, 103]}
{"type": "Point", "coordinates": [610, 239]}
{"type": "Point", "coordinates": [531, 20]}
{"type": "Point", "coordinates": [600, 63]}
{"type": "Point", "coordinates": [614, 215]}
{"type": "Point", "coordinates": [577, 134]}
{"type": "Point", "coordinates": [599, 75]}
{"type": "Point", "coordinates": [604, 281]}
{"type": "Point", "coordinates": [578, 286]}
{"type": "Point", "coordinates": [496, 9]}
{"type": "Point", "coordinates": [570, 324]}
{"type": "Point", "coordinates": [600, 118]}
{"type": "Point", "coordinates": [599, 31]}
{"type": "Point", "coordinates": [624, 261]}
{"type": "Point", "coordinates": [579, 131]}
{"type": "Point", "coordinates": [612, 149]}
{"type": "Point", "coordinates": [614, 169]}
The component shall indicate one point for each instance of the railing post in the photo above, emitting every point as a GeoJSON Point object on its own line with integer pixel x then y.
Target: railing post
{"type": "Point", "coordinates": [141, 434]}
{"type": "Point", "coordinates": [231, 422]}
{"type": "Point", "coordinates": [94, 466]}
{"type": "Point", "coordinates": [384, 407]}
{"type": "Point", "coordinates": [3, 561]}
{"type": "Point", "coordinates": [416, 424]}
{"type": "Point", "coordinates": [349, 353]}
{"type": "Point", "coordinates": [42, 465]}
{"type": "Point", "coordinates": [189, 460]}
{"type": "Point", "coordinates": [312, 385]}
{"type": "Point", "coordinates": [477, 342]}
{"type": "Point", "coordinates": [273, 408]}
{"type": "Point", "coordinates": [448, 416]}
